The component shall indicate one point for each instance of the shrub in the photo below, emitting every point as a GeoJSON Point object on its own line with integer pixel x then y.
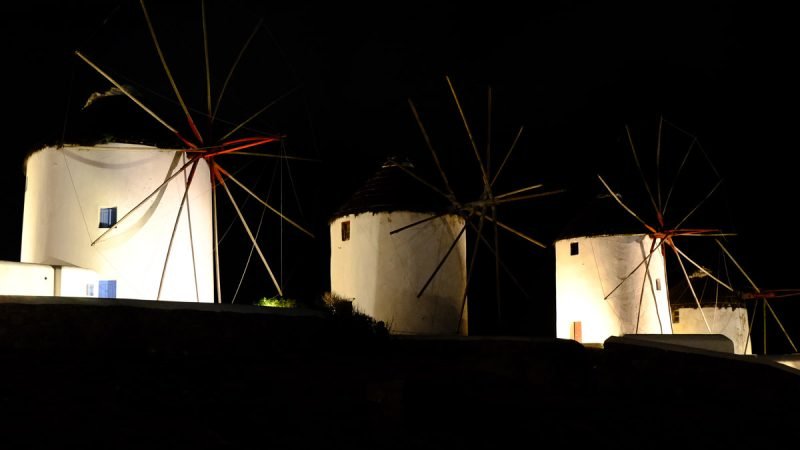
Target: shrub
{"type": "Point", "coordinates": [277, 302]}
{"type": "Point", "coordinates": [343, 309]}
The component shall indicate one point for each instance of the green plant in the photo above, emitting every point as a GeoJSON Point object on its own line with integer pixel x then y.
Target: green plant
{"type": "Point", "coordinates": [277, 302]}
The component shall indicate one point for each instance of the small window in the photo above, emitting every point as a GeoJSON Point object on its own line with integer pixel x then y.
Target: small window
{"type": "Point", "coordinates": [108, 288]}
{"type": "Point", "coordinates": [346, 230]}
{"type": "Point", "coordinates": [658, 284]}
{"type": "Point", "coordinates": [676, 316]}
{"type": "Point", "coordinates": [90, 289]}
{"type": "Point", "coordinates": [573, 248]}
{"type": "Point", "coordinates": [108, 217]}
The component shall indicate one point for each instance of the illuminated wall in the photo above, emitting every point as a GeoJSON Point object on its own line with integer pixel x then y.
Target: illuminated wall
{"type": "Point", "coordinates": [17, 278]}
{"type": "Point", "coordinates": [730, 322]}
{"type": "Point", "coordinates": [383, 272]}
{"type": "Point", "coordinates": [26, 279]}
{"type": "Point", "coordinates": [70, 190]}
{"type": "Point", "coordinates": [75, 282]}
{"type": "Point", "coordinates": [588, 269]}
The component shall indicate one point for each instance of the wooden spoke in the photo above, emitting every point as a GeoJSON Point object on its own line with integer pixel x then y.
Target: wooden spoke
{"type": "Point", "coordinates": [135, 100]}
{"type": "Point", "coordinates": [205, 58]}
{"type": "Point", "coordinates": [699, 204]}
{"type": "Point", "coordinates": [738, 266]}
{"type": "Point", "coordinates": [497, 266]}
{"type": "Point", "coordinates": [258, 199]}
{"type": "Point", "coordinates": [187, 181]}
{"type": "Point", "coordinates": [484, 175]}
{"type": "Point", "coordinates": [419, 179]}
{"type": "Point", "coordinates": [701, 268]}
{"type": "Point", "coordinates": [214, 212]}
{"type": "Point", "coordinates": [780, 324]}
{"type": "Point", "coordinates": [508, 154]}
{"type": "Point", "coordinates": [433, 152]}
{"type": "Point", "coordinates": [526, 197]}
{"type": "Point", "coordinates": [273, 155]}
{"type": "Point", "coordinates": [518, 191]}
{"type": "Point", "coordinates": [678, 174]}
{"type": "Point", "coordinates": [418, 222]}
{"type": "Point", "coordinates": [505, 268]}
{"type": "Point", "coordinates": [691, 288]}
{"type": "Point", "coordinates": [753, 284]}
{"type": "Point", "coordinates": [249, 233]}
{"type": "Point", "coordinates": [469, 273]}
{"type": "Point", "coordinates": [441, 263]}
{"type": "Point", "coordinates": [489, 131]}
{"type": "Point", "coordinates": [169, 74]}
{"type": "Point", "coordinates": [630, 274]}
{"type": "Point", "coordinates": [750, 328]}
{"type": "Point", "coordinates": [233, 69]}
{"type": "Point", "coordinates": [645, 278]}
{"type": "Point", "coordinates": [155, 191]}
{"type": "Point", "coordinates": [175, 227]}
{"type": "Point", "coordinates": [658, 164]}
{"type": "Point", "coordinates": [513, 231]}
{"type": "Point", "coordinates": [258, 113]}
{"type": "Point", "coordinates": [641, 172]}
{"type": "Point", "coordinates": [624, 206]}
{"type": "Point", "coordinates": [704, 234]}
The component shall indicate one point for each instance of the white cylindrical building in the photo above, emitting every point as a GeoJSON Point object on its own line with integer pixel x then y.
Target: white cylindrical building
{"type": "Point", "coordinates": [592, 300]}
{"type": "Point", "coordinates": [605, 285]}
{"type": "Point", "coordinates": [382, 272]}
{"type": "Point", "coordinates": [75, 194]}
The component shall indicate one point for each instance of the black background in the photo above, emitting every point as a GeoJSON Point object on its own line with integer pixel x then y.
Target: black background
{"type": "Point", "coordinates": [573, 73]}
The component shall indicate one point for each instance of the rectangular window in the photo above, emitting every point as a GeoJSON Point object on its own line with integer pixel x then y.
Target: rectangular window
{"type": "Point", "coordinates": [346, 230]}
{"type": "Point", "coordinates": [108, 217]}
{"type": "Point", "coordinates": [573, 248]}
{"type": "Point", "coordinates": [658, 284]}
{"type": "Point", "coordinates": [108, 288]}
{"type": "Point", "coordinates": [90, 289]}
{"type": "Point", "coordinates": [676, 316]}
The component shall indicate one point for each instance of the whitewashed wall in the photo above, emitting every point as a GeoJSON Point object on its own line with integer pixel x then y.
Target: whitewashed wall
{"type": "Point", "coordinates": [65, 189]}
{"type": "Point", "coordinates": [730, 322]}
{"type": "Point", "coordinates": [26, 279]}
{"type": "Point", "coordinates": [75, 282]}
{"type": "Point", "coordinates": [383, 272]}
{"type": "Point", "coordinates": [584, 280]}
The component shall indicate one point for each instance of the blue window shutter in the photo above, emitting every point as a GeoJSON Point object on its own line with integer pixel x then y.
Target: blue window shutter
{"type": "Point", "coordinates": [108, 288]}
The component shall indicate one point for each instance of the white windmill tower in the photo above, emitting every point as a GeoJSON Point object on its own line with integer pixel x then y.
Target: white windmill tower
{"type": "Point", "coordinates": [143, 218]}
{"type": "Point", "coordinates": [382, 271]}
{"type": "Point", "coordinates": [612, 283]}
{"type": "Point", "coordinates": [399, 247]}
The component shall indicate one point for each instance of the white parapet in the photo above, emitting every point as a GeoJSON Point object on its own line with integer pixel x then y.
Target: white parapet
{"type": "Point", "coordinates": [26, 279]}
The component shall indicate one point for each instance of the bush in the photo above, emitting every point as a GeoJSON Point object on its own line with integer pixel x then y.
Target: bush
{"type": "Point", "coordinates": [277, 302]}
{"type": "Point", "coordinates": [343, 309]}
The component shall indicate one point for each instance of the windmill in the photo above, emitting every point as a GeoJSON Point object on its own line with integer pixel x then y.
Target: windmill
{"type": "Point", "coordinates": [441, 231]}
{"type": "Point", "coordinates": [614, 283]}
{"type": "Point", "coordinates": [158, 230]}
{"type": "Point", "coordinates": [623, 276]}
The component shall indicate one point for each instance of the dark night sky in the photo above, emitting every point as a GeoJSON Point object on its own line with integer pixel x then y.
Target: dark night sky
{"type": "Point", "coordinates": [573, 73]}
